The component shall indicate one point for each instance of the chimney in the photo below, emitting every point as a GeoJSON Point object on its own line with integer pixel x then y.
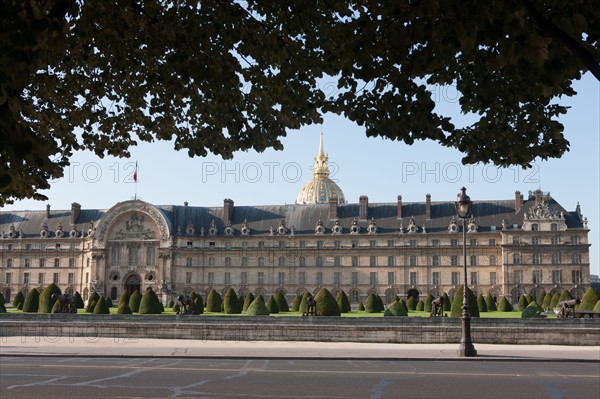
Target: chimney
{"type": "Point", "coordinates": [538, 196]}
{"type": "Point", "coordinates": [333, 207]}
{"type": "Point", "coordinates": [227, 210]}
{"type": "Point", "coordinates": [428, 207]}
{"type": "Point", "coordinates": [75, 210]}
{"type": "Point", "coordinates": [48, 211]}
{"type": "Point", "coordinates": [399, 208]}
{"type": "Point", "coordinates": [518, 201]}
{"type": "Point", "coordinates": [363, 207]}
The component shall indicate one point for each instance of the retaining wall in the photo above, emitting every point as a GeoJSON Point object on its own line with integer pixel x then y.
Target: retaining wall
{"type": "Point", "coordinates": [324, 329]}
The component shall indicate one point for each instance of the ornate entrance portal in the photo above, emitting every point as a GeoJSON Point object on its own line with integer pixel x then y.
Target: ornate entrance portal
{"type": "Point", "coordinates": [133, 282]}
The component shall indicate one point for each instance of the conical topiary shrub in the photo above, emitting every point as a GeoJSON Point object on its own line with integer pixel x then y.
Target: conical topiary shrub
{"type": "Point", "coordinates": [2, 304]}
{"type": "Point", "coordinates": [213, 301]}
{"type": "Point", "coordinates": [91, 304]}
{"type": "Point", "coordinates": [326, 303]}
{"type": "Point", "coordinates": [597, 307]}
{"type": "Point", "coordinates": [565, 295]}
{"type": "Point", "coordinates": [18, 300]}
{"type": "Point", "coordinates": [46, 300]}
{"type": "Point", "coordinates": [532, 310]}
{"type": "Point", "coordinates": [281, 302]}
{"type": "Point", "coordinates": [490, 304]}
{"type": "Point", "coordinates": [395, 309]}
{"type": "Point", "coordinates": [257, 308]}
{"type": "Point", "coordinates": [171, 304]}
{"type": "Point", "coordinates": [420, 306]}
{"type": "Point", "coordinates": [247, 301]}
{"type": "Point", "coordinates": [296, 303]}
{"type": "Point", "coordinates": [373, 305]}
{"type": "Point", "coordinates": [402, 303]}
{"type": "Point", "coordinates": [411, 303]}
{"type": "Point", "coordinates": [125, 295]}
{"type": "Point", "coordinates": [109, 301]}
{"type": "Point", "coordinates": [343, 302]}
{"type": "Point", "coordinates": [101, 306]}
{"type": "Point", "coordinates": [428, 299]}
{"type": "Point", "coordinates": [150, 304]}
{"type": "Point", "coordinates": [361, 307]}
{"type": "Point", "coordinates": [504, 305]}
{"type": "Point", "coordinates": [32, 301]}
{"type": "Point", "coordinates": [231, 304]}
{"type": "Point", "coordinates": [272, 305]}
{"type": "Point", "coordinates": [124, 308]}
{"type": "Point", "coordinates": [589, 299]}
{"type": "Point", "coordinates": [198, 305]}
{"type": "Point", "coordinates": [529, 298]}
{"type": "Point", "coordinates": [302, 308]}
{"type": "Point", "coordinates": [134, 301]}
{"type": "Point", "coordinates": [78, 300]}
{"type": "Point", "coordinates": [546, 303]}
{"type": "Point", "coordinates": [456, 310]}
{"type": "Point", "coordinates": [522, 303]}
{"type": "Point", "coordinates": [481, 303]}
{"type": "Point", "coordinates": [554, 301]}
{"type": "Point", "coordinates": [540, 300]}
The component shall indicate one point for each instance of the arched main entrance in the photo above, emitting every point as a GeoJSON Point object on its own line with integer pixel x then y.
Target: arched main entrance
{"type": "Point", "coordinates": [133, 282]}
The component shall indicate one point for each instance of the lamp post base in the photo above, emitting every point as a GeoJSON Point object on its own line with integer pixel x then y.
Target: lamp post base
{"type": "Point", "coordinates": [467, 350]}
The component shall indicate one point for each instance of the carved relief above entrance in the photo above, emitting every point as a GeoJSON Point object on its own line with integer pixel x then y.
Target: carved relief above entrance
{"type": "Point", "coordinates": [135, 220]}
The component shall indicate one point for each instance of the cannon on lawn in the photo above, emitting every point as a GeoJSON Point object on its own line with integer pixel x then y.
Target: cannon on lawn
{"type": "Point", "coordinates": [186, 305]}
{"type": "Point", "coordinates": [437, 307]}
{"type": "Point", "coordinates": [311, 307]}
{"type": "Point", "coordinates": [567, 308]}
{"type": "Point", "coordinates": [66, 303]}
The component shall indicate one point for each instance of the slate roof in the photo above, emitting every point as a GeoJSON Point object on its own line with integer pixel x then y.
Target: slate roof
{"type": "Point", "coordinates": [304, 218]}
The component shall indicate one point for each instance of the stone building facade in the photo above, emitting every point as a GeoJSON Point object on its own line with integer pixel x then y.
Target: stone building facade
{"type": "Point", "coordinates": [515, 246]}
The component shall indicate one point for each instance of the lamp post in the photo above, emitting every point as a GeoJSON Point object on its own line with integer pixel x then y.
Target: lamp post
{"type": "Point", "coordinates": [463, 209]}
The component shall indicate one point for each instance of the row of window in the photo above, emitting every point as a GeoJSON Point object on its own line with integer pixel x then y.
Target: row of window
{"type": "Point", "coordinates": [42, 246]}
{"type": "Point", "coordinates": [436, 280]}
{"type": "Point", "coordinates": [41, 262]}
{"type": "Point", "coordinates": [555, 258]}
{"type": "Point", "coordinates": [41, 278]}
{"type": "Point", "coordinates": [554, 240]}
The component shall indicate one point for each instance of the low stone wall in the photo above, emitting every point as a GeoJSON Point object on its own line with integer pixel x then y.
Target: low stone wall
{"type": "Point", "coordinates": [324, 329]}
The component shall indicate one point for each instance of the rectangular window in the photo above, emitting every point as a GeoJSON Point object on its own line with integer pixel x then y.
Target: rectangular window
{"type": "Point", "coordinates": [372, 244]}
{"type": "Point", "coordinates": [71, 262]}
{"type": "Point", "coordinates": [319, 261]}
{"type": "Point", "coordinates": [372, 261]}
{"type": "Point", "coordinates": [27, 262]}
{"type": "Point", "coordinates": [337, 245]}
{"type": "Point", "coordinates": [492, 242]}
{"type": "Point", "coordinates": [42, 262]}
{"type": "Point", "coordinates": [354, 243]}
{"type": "Point", "coordinates": [576, 276]}
{"type": "Point", "coordinates": [211, 278]}
{"type": "Point", "coordinates": [71, 278]}
{"type": "Point", "coordinates": [492, 278]}
{"type": "Point", "coordinates": [435, 278]}
{"type": "Point", "coordinates": [454, 242]}
{"type": "Point", "coordinates": [536, 277]}
{"type": "Point", "coordinates": [244, 278]}
{"type": "Point", "coordinates": [391, 278]}
{"type": "Point", "coordinates": [302, 261]}
{"type": "Point", "coordinates": [355, 261]}
{"type": "Point", "coordinates": [354, 279]}
{"type": "Point", "coordinates": [391, 261]}
{"type": "Point", "coordinates": [492, 260]}
{"type": "Point", "coordinates": [320, 244]}
{"type": "Point", "coordinates": [28, 247]}
{"type": "Point", "coordinates": [435, 260]}
{"type": "Point", "coordinates": [150, 256]}
{"type": "Point", "coordinates": [373, 278]}
{"type": "Point", "coordinates": [319, 281]}
{"type": "Point", "coordinates": [412, 243]}
{"type": "Point", "coordinates": [87, 277]}
{"type": "Point", "coordinates": [189, 244]}
{"type": "Point", "coordinates": [337, 261]}
{"type": "Point", "coordinates": [435, 243]}
{"type": "Point", "coordinates": [281, 278]}
{"type": "Point", "coordinates": [536, 259]}
{"type": "Point", "coordinates": [261, 279]}
{"type": "Point", "coordinates": [227, 280]}
{"type": "Point", "coordinates": [390, 243]}
{"type": "Point", "coordinates": [261, 244]}
{"type": "Point", "coordinates": [244, 261]}
{"type": "Point", "coordinates": [454, 260]}
{"type": "Point", "coordinates": [473, 242]}
{"type": "Point", "coordinates": [302, 244]}
{"type": "Point", "coordinates": [189, 261]}
{"type": "Point", "coordinates": [413, 278]}
{"type": "Point", "coordinates": [473, 260]}
{"type": "Point", "coordinates": [535, 240]}
{"type": "Point", "coordinates": [337, 277]}
{"type": "Point", "coordinates": [211, 262]}
{"type": "Point", "coordinates": [25, 278]}
{"type": "Point", "coordinates": [301, 279]}
{"type": "Point", "coordinates": [281, 244]}
{"type": "Point", "coordinates": [9, 262]}
{"type": "Point", "coordinates": [553, 227]}
{"type": "Point", "coordinates": [554, 240]}
{"type": "Point", "coordinates": [244, 244]}
{"type": "Point", "coordinates": [227, 261]}
{"type": "Point", "coordinates": [57, 246]}
{"type": "Point", "coordinates": [188, 277]}
{"type": "Point", "coordinates": [516, 240]}
{"type": "Point", "coordinates": [455, 278]}
{"type": "Point", "coordinates": [576, 258]}
{"type": "Point", "coordinates": [56, 262]}
{"type": "Point", "coordinates": [517, 259]}
{"type": "Point", "coordinates": [518, 276]}
{"type": "Point", "coordinates": [8, 278]}
{"type": "Point", "coordinates": [555, 259]}
{"type": "Point", "coordinates": [574, 240]}
{"type": "Point", "coordinates": [413, 260]}
{"type": "Point", "coordinates": [41, 278]}
{"type": "Point", "coordinates": [55, 277]}
{"type": "Point", "coordinates": [473, 278]}
{"type": "Point", "coordinates": [281, 261]}
{"type": "Point", "coordinates": [556, 277]}
{"type": "Point", "coordinates": [535, 227]}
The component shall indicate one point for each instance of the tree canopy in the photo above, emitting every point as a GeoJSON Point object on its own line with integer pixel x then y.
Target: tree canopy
{"type": "Point", "coordinates": [226, 76]}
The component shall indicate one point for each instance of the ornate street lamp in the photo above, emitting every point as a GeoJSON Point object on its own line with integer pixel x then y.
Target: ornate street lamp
{"type": "Point", "coordinates": [463, 209]}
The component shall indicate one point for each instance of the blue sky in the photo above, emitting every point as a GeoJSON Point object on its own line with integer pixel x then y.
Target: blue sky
{"type": "Point", "coordinates": [381, 169]}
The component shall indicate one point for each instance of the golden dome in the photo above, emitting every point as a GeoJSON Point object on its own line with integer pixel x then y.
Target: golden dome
{"type": "Point", "coordinates": [321, 188]}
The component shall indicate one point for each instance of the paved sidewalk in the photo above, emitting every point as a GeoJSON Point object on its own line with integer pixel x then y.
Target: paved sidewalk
{"type": "Point", "coordinates": [109, 347]}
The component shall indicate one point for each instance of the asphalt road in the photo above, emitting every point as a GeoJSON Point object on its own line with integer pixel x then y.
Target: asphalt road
{"type": "Point", "coordinates": [44, 377]}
